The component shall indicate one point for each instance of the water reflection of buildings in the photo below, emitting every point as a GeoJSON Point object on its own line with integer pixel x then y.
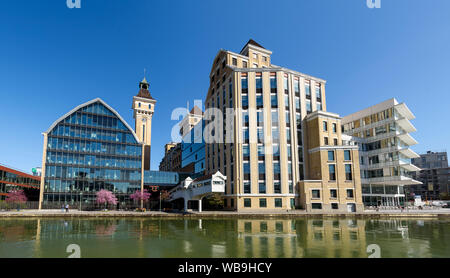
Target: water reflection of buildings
{"type": "Point", "coordinates": [401, 238]}
{"type": "Point", "coordinates": [334, 238]}
{"type": "Point", "coordinates": [221, 238]}
{"type": "Point", "coordinates": [267, 239]}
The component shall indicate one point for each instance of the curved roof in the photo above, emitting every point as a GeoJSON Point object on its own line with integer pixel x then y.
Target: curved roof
{"type": "Point", "coordinates": [88, 103]}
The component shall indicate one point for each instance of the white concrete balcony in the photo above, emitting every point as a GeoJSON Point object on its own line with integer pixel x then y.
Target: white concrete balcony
{"type": "Point", "coordinates": [406, 125]}
{"type": "Point", "coordinates": [404, 111]}
{"type": "Point", "coordinates": [407, 165]}
{"type": "Point", "coordinates": [408, 153]}
{"type": "Point", "coordinates": [407, 139]}
{"type": "Point", "coordinates": [398, 148]}
{"type": "Point", "coordinates": [394, 180]}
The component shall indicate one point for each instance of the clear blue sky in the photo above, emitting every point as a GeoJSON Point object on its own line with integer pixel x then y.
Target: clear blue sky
{"type": "Point", "coordinates": [53, 58]}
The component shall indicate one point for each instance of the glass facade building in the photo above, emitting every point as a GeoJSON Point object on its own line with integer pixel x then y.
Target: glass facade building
{"type": "Point", "coordinates": [89, 149]}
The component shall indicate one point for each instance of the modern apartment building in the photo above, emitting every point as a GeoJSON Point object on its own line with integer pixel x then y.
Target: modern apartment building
{"type": "Point", "coordinates": [260, 145]}
{"type": "Point", "coordinates": [382, 133]}
{"type": "Point", "coordinates": [434, 175]}
{"type": "Point", "coordinates": [431, 160]}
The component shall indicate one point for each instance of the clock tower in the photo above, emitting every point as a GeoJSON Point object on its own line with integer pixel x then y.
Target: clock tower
{"type": "Point", "coordinates": [143, 107]}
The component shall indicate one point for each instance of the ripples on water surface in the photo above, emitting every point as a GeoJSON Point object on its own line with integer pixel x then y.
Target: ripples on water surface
{"type": "Point", "coordinates": [168, 238]}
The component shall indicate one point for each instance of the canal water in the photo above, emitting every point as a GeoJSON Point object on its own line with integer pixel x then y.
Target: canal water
{"type": "Point", "coordinates": [224, 238]}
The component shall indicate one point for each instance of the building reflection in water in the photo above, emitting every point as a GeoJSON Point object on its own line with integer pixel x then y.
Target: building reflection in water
{"type": "Point", "coordinates": [237, 238]}
{"type": "Point", "coordinates": [267, 239]}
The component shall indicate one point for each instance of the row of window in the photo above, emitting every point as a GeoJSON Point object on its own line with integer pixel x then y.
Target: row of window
{"type": "Point", "coordinates": [14, 178]}
{"type": "Point", "coordinates": [315, 193]}
{"type": "Point", "coordinates": [67, 172]}
{"type": "Point", "coordinates": [262, 187]}
{"type": "Point", "coordinates": [386, 114]}
{"type": "Point", "coordinates": [278, 202]}
{"type": "Point", "coordinates": [87, 146]}
{"type": "Point", "coordinates": [86, 187]}
{"type": "Point", "coordinates": [93, 134]}
{"type": "Point", "coordinates": [347, 155]}
{"type": "Point", "coordinates": [92, 160]}
{"type": "Point", "coordinates": [332, 172]}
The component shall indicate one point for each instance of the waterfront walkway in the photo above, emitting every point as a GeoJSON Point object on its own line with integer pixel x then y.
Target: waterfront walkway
{"type": "Point", "coordinates": [246, 214]}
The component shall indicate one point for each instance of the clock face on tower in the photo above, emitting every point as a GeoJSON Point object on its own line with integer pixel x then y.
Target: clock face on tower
{"type": "Point", "coordinates": [144, 120]}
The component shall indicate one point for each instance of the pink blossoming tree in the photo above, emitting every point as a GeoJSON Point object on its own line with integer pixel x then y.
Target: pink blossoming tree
{"type": "Point", "coordinates": [140, 196]}
{"type": "Point", "coordinates": [16, 196]}
{"type": "Point", "coordinates": [106, 197]}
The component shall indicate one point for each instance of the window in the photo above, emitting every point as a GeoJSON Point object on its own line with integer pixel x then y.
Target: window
{"type": "Point", "coordinates": [333, 193]}
{"type": "Point", "coordinates": [325, 126]}
{"type": "Point", "coordinates": [259, 101]}
{"type": "Point", "coordinates": [262, 187]}
{"type": "Point", "coordinates": [278, 202]}
{"type": "Point", "coordinates": [315, 194]}
{"type": "Point", "coordinates": [258, 82]}
{"type": "Point", "coordinates": [273, 82]}
{"type": "Point", "coordinates": [334, 128]}
{"type": "Point", "coordinates": [245, 101]}
{"type": "Point", "coordinates": [330, 155]}
{"type": "Point", "coordinates": [234, 62]}
{"type": "Point", "coordinates": [307, 90]}
{"type": "Point", "coordinates": [274, 101]}
{"type": "Point", "coordinates": [334, 206]}
{"type": "Point", "coordinates": [262, 203]}
{"type": "Point", "coordinates": [318, 94]}
{"type": "Point", "coordinates": [244, 64]}
{"type": "Point", "coordinates": [349, 193]}
{"type": "Point", "coordinates": [308, 106]}
{"type": "Point", "coordinates": [347, 156]}
{"type": "Point", "coordinates": [331, 172]}
{"type": "Point", "coordinates": [247, 187]}
{"type": "Point", "coordinates": [247, 203]}
{"type": "Point", "coordinates": [348, 172]}
{"type": "Point", "coordinates": [244, 84]}
{"type": "Point", "coordinates": [335, 141]}
{"type": "Point", "coordinates": [325, 141]}
{"type": "Point", "coordinates": [277, 187]}
{"type": "Point", "coordinates": [246, 152]}
{"type": "Point", "coordinates": [316, 205]}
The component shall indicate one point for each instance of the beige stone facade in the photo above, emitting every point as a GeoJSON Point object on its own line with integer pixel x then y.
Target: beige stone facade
{"type": "Point", "coordinates": [263, 152]}
{"type": "Point", "coordinates": [332, 182]}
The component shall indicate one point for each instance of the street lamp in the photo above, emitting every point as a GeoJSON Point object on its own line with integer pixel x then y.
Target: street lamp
{"type": "Point", "coordinates": [81, 199]}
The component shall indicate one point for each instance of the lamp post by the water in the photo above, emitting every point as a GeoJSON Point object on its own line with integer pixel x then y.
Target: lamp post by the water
{"type": "Point", "coordinates": [81, 199]}
{"type": "Point", "coordinates": [159, 199]}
